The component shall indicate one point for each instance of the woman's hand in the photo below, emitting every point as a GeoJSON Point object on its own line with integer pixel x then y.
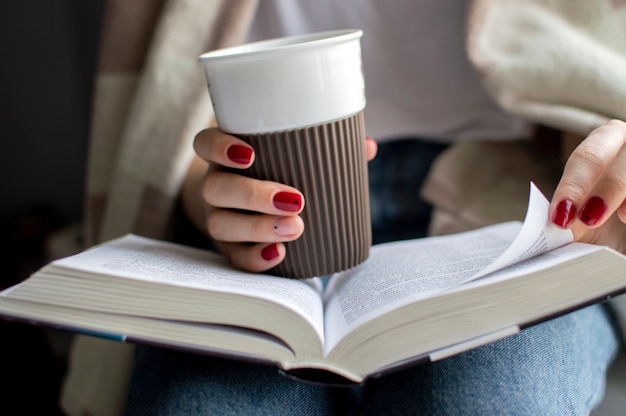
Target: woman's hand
{"type": "Point", "coordinates": [591, 196]}
{"type": "Point", "coordinates": [248, 219]}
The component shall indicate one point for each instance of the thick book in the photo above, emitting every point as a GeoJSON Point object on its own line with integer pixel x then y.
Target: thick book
{"type": "Point", "coordinates": [410, 302]}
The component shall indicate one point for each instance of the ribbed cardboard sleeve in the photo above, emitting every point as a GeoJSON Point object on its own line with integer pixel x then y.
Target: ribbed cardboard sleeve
{"type": "Point", "coordinates": [327, 163]}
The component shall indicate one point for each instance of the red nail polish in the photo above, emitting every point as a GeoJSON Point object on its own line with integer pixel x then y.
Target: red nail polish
{"type": "Point", "coordinates": [270, 252]}
{"type": "Point", "coordinates": [288, 201]}
{"type": "Point", "coordinates": [592, 211]}
{"type": "Point", "coordinates": [564, 213]}
{"type": "Point", "coordinates": [239, 154]}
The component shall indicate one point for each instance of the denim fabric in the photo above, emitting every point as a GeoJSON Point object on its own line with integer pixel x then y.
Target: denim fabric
{"type": "Point", "coordinates": [395, 177]}
{"type": "Point", "coordinates": [176, 383]}
{"type": "Point", "coordinates": [554, 368]}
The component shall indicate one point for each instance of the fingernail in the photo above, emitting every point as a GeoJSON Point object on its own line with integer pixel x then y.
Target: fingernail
{"type": "Point", "coordinates": [288, 201]}
{"type": "Point", "coordinates": [285, 226]}
{"type": "Point", "coordinates": [239, 154]}
{"type": "Point", "coordinates": [564, 213]}
{"type": "Point", "coordinates": [592, 211]}
{"type": "Point", "coordinates": [270, 252]}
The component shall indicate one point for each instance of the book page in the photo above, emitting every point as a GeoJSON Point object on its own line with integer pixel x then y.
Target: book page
{"type": "Point", "coordinates": [542, 261]}
{"type": "Point", "coordinates": [537, 236]}
{"type": "Point", "coordinates": [402, 272]}
{"type": "Point", "coordinates": [161, 262]}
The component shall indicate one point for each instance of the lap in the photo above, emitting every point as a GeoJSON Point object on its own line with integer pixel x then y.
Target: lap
{"type": "Point", "coordinates": [557, 367]}
{"type": "Point", "coordinates": [554, 368]}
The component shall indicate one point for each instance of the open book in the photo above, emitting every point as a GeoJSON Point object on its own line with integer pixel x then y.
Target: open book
{"type": "Point", "coordinates": [410, 302]}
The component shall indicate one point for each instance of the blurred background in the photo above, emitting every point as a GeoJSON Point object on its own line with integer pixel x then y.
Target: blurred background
{"type": "Point", "coordinates": [49, 51]}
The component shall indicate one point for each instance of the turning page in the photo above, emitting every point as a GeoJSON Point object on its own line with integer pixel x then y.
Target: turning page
{"type": "Point", "coordinates": [403, 272]}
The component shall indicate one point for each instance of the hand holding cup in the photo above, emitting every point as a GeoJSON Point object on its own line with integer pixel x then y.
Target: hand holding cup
{"type": "Point", "coordinates": [298, 102]}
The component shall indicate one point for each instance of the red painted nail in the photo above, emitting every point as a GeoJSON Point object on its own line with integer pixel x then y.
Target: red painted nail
{"type": "Point", "coordinates": [592, 211]}
{"type": "Point", "coordinates": [564, 213]}
{"type": "Point", "coordinates": [270, 252]}
{"type": "Point", "coordinates": [288, 201]}
{"type": "Point", "coordinates": [239, 154]}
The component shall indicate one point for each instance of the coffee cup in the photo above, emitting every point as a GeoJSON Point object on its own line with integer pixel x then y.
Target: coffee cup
{"type": "Point", "coordinates": [299, 102]}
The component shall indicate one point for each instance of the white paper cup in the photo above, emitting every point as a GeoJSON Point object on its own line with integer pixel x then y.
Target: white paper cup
{"type": "Point", "coordinates": [299, 102]}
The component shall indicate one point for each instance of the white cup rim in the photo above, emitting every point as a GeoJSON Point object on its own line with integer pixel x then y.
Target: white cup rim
{"type": "Point", "coordinates": [283, 44]}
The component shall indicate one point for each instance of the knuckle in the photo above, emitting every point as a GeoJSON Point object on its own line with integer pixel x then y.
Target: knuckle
{"type": "Point", "coordinates": [617, 123]}
{"type": "Point", "coordinates": [589, 155]}
{"type": "Point", "coordinates": [612, 130]}
{"type": "Point", "coordinates": [257, 229]}
{"type": "Point", "coordinates": [215, 225]}
{"type": "Point", "coordinates": [614, 181]}
{"type": "Point", "coordinates": [574, 186]}
{"type": "Point", "coordinates": [211, 188]}
{"type": "Point", "coordinates": [254, 193]}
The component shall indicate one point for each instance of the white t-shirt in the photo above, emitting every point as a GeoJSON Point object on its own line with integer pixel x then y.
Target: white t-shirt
{"type": "Point", "coordinates": [418, 79]}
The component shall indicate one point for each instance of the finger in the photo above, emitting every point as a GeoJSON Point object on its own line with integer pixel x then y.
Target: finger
{"type": "Point", "coordinates": [371, 148]}
{"type": "Point", "coordinates": [231, 226]}
{"type": "Point", "coordinates": [593, 181]}
{"type": "Point", "coordinates": [609, 191]}
{"type": "Point", "coordinates": [607, 195]}
{"type": "Point", "coordinates": [254, 258]}
{"type": "Point", "coordinates": [231, 190]}
{"type": "Point", "coordinates": [215, 146]}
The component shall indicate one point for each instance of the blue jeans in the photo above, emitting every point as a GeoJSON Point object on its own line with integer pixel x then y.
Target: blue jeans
{"type": "Point", "coordinates": [554, 368]}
